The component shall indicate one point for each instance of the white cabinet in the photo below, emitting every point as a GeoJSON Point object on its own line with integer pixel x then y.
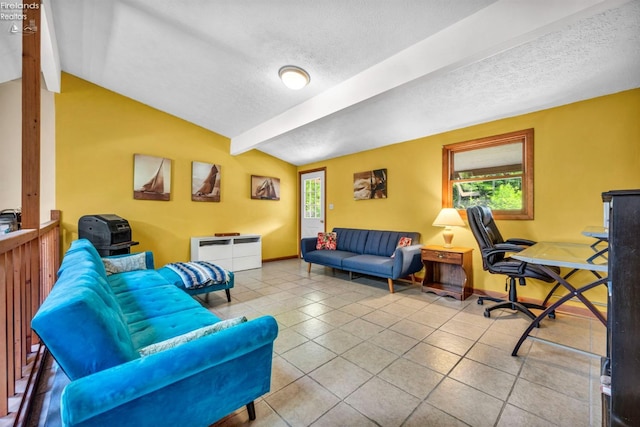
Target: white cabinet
{"type": "Point", "coordinates": [234, 253]}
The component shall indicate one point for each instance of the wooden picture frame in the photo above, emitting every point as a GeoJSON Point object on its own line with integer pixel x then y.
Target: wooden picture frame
{"type": "Point", "coordinates": [370, 184]}
{"type": "Point", "coordinates": [265, 187]}
{"type": "Point", "coordinates": [205, 182]}
{"type": "Point", "coordinates": [151, 177]}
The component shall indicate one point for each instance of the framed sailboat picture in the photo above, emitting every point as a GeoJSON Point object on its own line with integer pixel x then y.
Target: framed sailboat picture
{"type": "Point", "coordinates": [151, 177]}
{"type": "Point", "coordinates": [205, 182]}
{"type": "Point", "coordinates": [265, 188]}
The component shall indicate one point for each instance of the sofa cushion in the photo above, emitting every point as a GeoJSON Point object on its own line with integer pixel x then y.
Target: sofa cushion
{"type": "Point", "coordinates": [71, 314]}
{"type": "Point", "coordinates": [134, 280]}
{"type": "Point", "coordinates": [384, 243]}
{"type": "Point", "coordinates": [351, 239]}
{"type": "Point", "coordinates": [160, 328]}
{"type": "Point", "coordinates": [190, 336]}
{"type": "Point", "coordinates": [327, 241]}
{"type": "Point", "coordinates": [329, 258]}
{"type": "Point", "coordinates": [369, 264]}
{"type": "Point", "coordinates": [153, 302]}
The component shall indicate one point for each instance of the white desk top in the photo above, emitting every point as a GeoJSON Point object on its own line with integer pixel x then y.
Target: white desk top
{"type": "Point", "coordinates": [596, 231]}
{"type": "Point", "coordinates": [571, 255]}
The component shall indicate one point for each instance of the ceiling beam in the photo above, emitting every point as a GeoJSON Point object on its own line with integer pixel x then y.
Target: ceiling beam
{"type": "Point", "coordinates": [502, 25]}
{"type": "Point", "coordinates": [50, 60]}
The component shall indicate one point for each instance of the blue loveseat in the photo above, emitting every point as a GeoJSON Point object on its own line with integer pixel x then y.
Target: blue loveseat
{"type": "Point", "coordinates": [135, 349]}
{"type": "Point", "coordinates": [370, 252]}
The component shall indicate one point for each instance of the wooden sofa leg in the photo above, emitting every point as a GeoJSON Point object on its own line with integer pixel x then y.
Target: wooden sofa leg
{"type": "Point", "coordinates": [251, 409]}
{"type": "Point", "coordinates": [228, 295]}
{"type": "Point", "coordinates": [390, 285]}
{"type": "Point", "coordinates": [308, 268]}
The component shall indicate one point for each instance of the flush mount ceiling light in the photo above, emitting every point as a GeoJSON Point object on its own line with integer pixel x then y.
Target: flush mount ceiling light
{"type": "Point", "coordinates": [294, 77]}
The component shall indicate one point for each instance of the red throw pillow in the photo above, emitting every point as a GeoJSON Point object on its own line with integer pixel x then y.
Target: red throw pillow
{"type": "Point", "coordinates": [327, 241]}
{"type": "Point", "coordinates": [404, 241]}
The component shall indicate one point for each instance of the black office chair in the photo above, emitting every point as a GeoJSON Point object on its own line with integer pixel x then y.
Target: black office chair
{"type": "Point", "coordinates": [494, 250]}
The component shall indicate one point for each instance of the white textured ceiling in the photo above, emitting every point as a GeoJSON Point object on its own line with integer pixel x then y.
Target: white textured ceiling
{"type": "Point", "coordinates": [382, 71]}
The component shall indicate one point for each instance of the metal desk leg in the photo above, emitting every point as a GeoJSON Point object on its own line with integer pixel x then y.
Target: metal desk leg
{"type": "Point", "coordinates": [573, 292]}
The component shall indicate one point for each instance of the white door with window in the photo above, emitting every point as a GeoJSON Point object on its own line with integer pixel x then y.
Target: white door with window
{"type": "Point", "coordinates": [312, 203]}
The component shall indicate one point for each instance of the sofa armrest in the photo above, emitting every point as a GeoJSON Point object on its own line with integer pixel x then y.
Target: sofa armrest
{"type": "Point", "coordinates": [308, 244]}
{"type": "Point", "coordinates": [219, 371]}
{"type": "Point", "coordinates": [407, 261]}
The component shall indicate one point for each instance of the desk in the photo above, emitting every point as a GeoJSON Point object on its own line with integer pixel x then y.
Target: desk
{"type": "Point", "coordinates": [568, 255]}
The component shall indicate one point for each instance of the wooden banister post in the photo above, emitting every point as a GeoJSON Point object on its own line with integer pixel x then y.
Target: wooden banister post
{"type": "Point", "coordinates": [31, 116]}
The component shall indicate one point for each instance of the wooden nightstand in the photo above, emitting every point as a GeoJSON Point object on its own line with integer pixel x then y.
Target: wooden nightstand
{"type": "Point", "coordinates": [448, 271]}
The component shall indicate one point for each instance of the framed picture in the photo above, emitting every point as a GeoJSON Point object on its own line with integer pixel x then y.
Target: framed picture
{"type": "Point", "coordinates": [205, 182]}
{"type": "Point", "coordinates": [265, 188]}
{"type": "Point", "coordinates": [370, 185]}
{"type": "Point", "coordinates": [151, 177]}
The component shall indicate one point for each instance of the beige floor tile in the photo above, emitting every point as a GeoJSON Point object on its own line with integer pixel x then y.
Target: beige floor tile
{"type": "Point", "coordinates": [505, 342]}
{"type": "Point", "coordinates": [302, 402]}
{"type": "Point", "coordinates": [283, 373]}
{"type": "Point", "coordinates": [370, 357]}
{"type": "Point", "coordinates": [291, 318]}
{"type": "Point", "coordinates": [265, 417]}
{"type": "Point", "coordinates": [288, 339]}
{"type": "Point", "coordinates": [308, 356]}
{"type": "Point", "coordinates": [362, 329]}
{"type": "Point", "coordinates": [463, 329]}
{"type": "Point", "coordinates": [336, 318]}
{"type": "Point", "coordinates": [411, 377]}
{"type": "Point", "coordinates": [566, 380]}
{"type": "Point", "coordinates": [425, 317]}
{"type": "Point", "coordinates": [343, 415]}
{"type": "Point", "coordinates": [340, 376]}
{"type": "Point", "coordinates": [338, 341]}
{"type": "Point", "coordinates": [549, 404]}
{"type": "Point", "coordinates": [427, 415]}
{"type": "Point", "coordinates": [496, 358]}
{"type": "Point", "coordinates": [432, 357]}
{"type": "Point", "coordinates": [382, 402]}
{"type": "Point", "coordinates": [412, 329]}
{"type": "Point", "coordinates": [449, 342]}
{"type": "Point", "coordinates": [316, 309]}
{"type": "Point", "coordinates": [485, 378]}
{"type": "Point", "coordinates": [516, 417]}
{"type": "Point", "coordinates": [470, 405]}
{"type": "Point", "coordinates": [312, 328]}
{"type": "Point", "coordinates": [356, 309]}
{"type": "Point", "coordinates": [398, 309]}
{"type": "Point", "coordinates": [393, 341]}
{"type": "Point", "coordinates": [381, 318]}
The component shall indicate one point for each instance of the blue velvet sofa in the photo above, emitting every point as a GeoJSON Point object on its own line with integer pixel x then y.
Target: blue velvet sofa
{"type": "Point", "coordinates": [370, 252]}
{"type": "Point", "coordinates": [134, 347]}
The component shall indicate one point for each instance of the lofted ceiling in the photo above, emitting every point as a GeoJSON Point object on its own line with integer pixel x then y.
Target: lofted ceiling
{"type": "Point", "coordinates": [382, 71]}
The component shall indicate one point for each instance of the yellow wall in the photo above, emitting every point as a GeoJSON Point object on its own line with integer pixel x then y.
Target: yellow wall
{"type": "Point", "coordinates": [581, 150]}
{"type": "Point", "coordinates": [97, 134]}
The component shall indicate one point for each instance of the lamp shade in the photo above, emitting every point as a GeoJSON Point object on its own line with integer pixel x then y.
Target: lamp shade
{"type": "Point", "coordinates": [448, 217]}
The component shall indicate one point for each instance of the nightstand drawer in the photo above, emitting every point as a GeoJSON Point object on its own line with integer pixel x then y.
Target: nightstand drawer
{"type": "Point", "coordinates": [442, 256]}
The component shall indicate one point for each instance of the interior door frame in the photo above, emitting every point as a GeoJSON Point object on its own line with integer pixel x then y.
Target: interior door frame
{"type": "Point", "coordinates": [324, 191]}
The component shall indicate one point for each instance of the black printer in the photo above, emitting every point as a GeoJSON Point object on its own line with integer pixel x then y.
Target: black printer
{"type": "Point", "coordinates": [110, 234]}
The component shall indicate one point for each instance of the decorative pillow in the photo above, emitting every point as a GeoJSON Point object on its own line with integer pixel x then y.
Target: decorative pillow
{"type": "Point", "coordinates": [190, 336]}
{"type": "Point", "coordinates": [327, 241]}
{"type": "Point", "coordinates": [404, 241]}
{"type": "Point", "coordinates": [122, 264]}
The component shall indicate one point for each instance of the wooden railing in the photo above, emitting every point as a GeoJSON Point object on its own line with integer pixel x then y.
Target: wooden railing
{"type": "Point", "coordinates": [29, 261]}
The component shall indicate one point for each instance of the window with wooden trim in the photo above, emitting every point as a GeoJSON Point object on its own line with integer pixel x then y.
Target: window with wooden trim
{"type": "Point", "coordinates": [496, 171]}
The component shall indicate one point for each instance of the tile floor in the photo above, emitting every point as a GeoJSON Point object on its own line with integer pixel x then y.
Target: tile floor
{"type": "Point", "coordinates": [351, 354]}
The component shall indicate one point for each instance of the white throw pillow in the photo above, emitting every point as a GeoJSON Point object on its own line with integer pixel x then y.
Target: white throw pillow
{"type": "Point", "coordinates": [125, 263]}
{"type": "Point", "coordinates": [190, 336]}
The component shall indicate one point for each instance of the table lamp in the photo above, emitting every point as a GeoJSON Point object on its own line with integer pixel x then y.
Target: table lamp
{"type": "Point", "coordinates": [447, 218]}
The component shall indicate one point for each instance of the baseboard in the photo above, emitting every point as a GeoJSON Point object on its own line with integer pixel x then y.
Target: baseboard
{"type": "Point", "coordinates": [281, 258]}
